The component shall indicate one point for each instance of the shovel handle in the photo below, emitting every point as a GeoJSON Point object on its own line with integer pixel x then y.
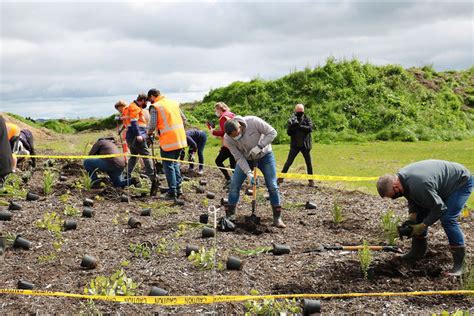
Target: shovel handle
{"type": "Point", "coordinates": [254, 188]}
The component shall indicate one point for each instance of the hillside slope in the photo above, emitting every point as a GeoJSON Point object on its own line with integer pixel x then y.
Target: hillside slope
{"type": "Point", "coordinates": [352, 101]}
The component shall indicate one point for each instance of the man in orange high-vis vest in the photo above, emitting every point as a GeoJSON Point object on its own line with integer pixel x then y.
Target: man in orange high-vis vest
{"type": "Point", "coordinates": [136, 124]}
{"type": "Point", "coordinates": [13, 132]}
{"type": "Point", "coordinates": [167, 119]}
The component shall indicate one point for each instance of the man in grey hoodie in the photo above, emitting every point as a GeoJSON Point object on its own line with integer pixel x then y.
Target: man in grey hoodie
{"type": "Point", "coordinates": [249, 140]}
{"type": "Point", "coordinates": [435, 190]}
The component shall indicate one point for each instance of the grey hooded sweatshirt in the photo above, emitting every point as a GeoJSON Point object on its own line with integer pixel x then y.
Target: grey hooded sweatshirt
{"type": "Point", "coordinates": [428, 184]}
{"type": "Point", "coordinates": [255, 132]}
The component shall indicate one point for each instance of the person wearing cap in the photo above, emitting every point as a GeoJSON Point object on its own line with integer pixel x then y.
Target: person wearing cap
{"type": "Point", "coordinates": [249, 140]}
{"type": "Point", "coordinates": [136, 135]}
{"type": "Point", "coordinates": [6, 158]}
{"type": "Point", "coordinates": [435, 190]}
{"type": "Point", "coordinates": [299, 128]}
{"type": "Point", "coordinates": [196, 140]}
{"type": "Point", "coordinates": [167, 119]}
{"type": "Point", "coordinates": [112, 166]}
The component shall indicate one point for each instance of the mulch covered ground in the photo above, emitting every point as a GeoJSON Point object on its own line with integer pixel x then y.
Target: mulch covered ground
{"type": "Point", "coordinates": [107, 237]}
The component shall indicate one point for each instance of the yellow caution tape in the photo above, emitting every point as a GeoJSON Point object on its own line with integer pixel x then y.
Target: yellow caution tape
{"type": "Point", "coordinates": [211, 299]}
{"type": "Point", "coordinates": [279, 174]}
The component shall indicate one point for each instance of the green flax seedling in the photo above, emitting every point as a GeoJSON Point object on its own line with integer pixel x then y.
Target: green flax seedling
{"type": "Point", "coordinates": [337, 213]}
{"type": "Point", "coordinates": [48, 181]}
{"type": "Point", "coordinates": [389, 224]}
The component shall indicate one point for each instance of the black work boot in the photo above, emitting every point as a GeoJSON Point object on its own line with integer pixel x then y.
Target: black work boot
{"type": "Point", "coordinates": [417, 251]}
{"type": "Point", "coordinates": [458, 261]}
{"type": "Point", "coordinates": [230, 212]}
{"type": "Point", "coordinates": [169, 196]}
{"type": "Point", "coordinates": [277, 221]}
{"type": "Point", "coordinates": [179, 191]}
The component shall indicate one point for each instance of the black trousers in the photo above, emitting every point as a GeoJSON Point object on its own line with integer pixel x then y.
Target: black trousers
{"type": "Point", "coordinates": [223, 155]}
{"type": "Point", "coordinates": [294, 151]}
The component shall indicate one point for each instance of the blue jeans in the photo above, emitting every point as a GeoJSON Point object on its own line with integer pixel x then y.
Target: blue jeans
{"type": "Point", "coordinates": [449, 220]}
{"type": "Point", "coordinates": [267, 165]}
{"type": "Point", "coordinates": [455, 203]}
{"type": "Point", "coordinates": [115, 173]}
{"type": "Point", "coordinates": [171, 169]}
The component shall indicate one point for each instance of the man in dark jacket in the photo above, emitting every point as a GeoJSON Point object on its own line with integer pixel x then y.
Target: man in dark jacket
{"type": "Point", "coordinates": [112, 166]}
{"type": "Point", "coordinates": [299, 129]}
{"type": "Point", "coordinates": [6, 159]}
{"type": "Point", "coordinates": [435, 190]}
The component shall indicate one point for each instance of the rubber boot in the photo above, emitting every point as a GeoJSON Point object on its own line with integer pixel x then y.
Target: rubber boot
{"type": "Point", "coordinates": [417, 251]}
{"type": "Point", "coordinates": [277, 221]}
{"type": "Point", "coordinates": [458, 260]}
{"type": "Point", "coordinates": [230, 212]}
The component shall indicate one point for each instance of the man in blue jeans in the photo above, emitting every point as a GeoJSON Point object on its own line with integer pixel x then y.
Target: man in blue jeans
{"type": "Point", "coordinates": [435, 190]}
{"type": "Point", "coordinates": [112, 166]}
{"type": "Point", "coordinates": [249, 140]}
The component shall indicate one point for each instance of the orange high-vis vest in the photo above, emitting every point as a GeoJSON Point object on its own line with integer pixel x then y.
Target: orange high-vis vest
{"type": "Point", "coordinates": [133, 112]}
{"type": "Point", "coordinates": [170, 124]}
{"type": "Point", "coordinates": [13, 130]}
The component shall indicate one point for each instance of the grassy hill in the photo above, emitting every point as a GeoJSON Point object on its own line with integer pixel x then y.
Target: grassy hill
{"type": "Point", "coordinates": [353, 101]}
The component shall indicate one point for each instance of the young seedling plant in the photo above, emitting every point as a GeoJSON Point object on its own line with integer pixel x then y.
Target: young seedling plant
{"type": "Point", "coordinates": [12, 187]}
{"type": "Point", "coordinates": [365, 258]}
{"type": "Point", "coordinates": [254, 252]}
{"type": "Point", "coordinates": [141, 250]}
{"type": "Point", "coordinates": [272, 306]}
{"type": "Point", "coordinates": [337, 213]}
{"type": "Point", "coordinates": [389, 225]}
{"type": "Point", "coordinates": [49, 176]}
{"type": "Point", "coordinates": [205, 259]}
{"type": "Point", "coordinates": [116, 284]}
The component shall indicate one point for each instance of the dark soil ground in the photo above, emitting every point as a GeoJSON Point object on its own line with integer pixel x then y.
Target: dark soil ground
{"type": "Point", "coordinates": [107, 237]}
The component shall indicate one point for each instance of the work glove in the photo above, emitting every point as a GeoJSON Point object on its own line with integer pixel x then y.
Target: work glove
{"type": "Point", "coordinates": [140, 139]}
{"type": "Point", "coordinates": [250, 177]}
{"type": "Point", "coordinates": [418, 229]}
{"type": "Point", "coordinates": [254, 152]}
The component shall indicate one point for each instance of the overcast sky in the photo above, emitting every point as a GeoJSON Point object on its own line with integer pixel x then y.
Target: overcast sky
{"type": "Point", "coordinates": [77, 59]}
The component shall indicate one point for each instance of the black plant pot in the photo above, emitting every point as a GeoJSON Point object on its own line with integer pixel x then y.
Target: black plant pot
{"type": "Point", "coordinates": [134, 223]}
{"type": "Point", "coordinates": [203, 218]}
{"type": "Point", "coordinates": [370, 273]}
{"type": "Point", "coordinates": [70, 224]}
{"type": "Point", "coordinates": [202, 182]}
{"type": "Point", "coordinates": [87, 212]}
{"type": "Point", "coordinates": [156, 291]}
{"type": "Point", "coordinates": [145, 212]}
{"type": "Point", "coordinates": [25, 285]}
{"type": "Point", "coordinates": [234, 263]}
{"type": "Point", "coordinates": [310, 205]}
{"type": "Point", "coordinates": [279, 249]}
{"type": "Point", "coordinates": [21, 243]}
{"type": "Point", "coordinates": [5, 216]}
{"type": "Point", "coordinates": [224, 201]}
{"type": "Point", "coordinates": [208, 232]}
{"type": "Point", "coordinates": [186, 178]}
{"type": "Point", "coordinates": [88, 202]}
{"type": "Point", "coordinates": [267, 197]}
{"type": "Point", "coordinates": [13, 206]}
{"type": "Point", "coordinates": [200, 190]}
{"type": "Point", "coordinates": [30, 196]}
{"type": "Point", "coordinates": [210, 195]}
{"type": "Point", "coordinates": [124, 198]}
{"type": "Point", "coordinates": [88, 262]}
{"type": "Point", "coordinates": [62, 178]}
{"type": "Point", "coordinates": [191, 248]}
{"type": "Point", "coordinates": [311, 306]}
{"type": "Point", "coordinates": [248, 191]}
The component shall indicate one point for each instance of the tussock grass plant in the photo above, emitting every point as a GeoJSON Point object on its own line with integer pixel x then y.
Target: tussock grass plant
{"type": "Point", "coordinates": [365, 259]}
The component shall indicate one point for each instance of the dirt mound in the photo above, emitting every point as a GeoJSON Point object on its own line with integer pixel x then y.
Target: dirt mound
{"type": "Point", "coordinates": [39, 133]}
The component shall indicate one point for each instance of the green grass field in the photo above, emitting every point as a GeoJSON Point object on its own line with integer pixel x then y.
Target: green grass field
{"type": "Point", "coordinates": [345, 159]}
